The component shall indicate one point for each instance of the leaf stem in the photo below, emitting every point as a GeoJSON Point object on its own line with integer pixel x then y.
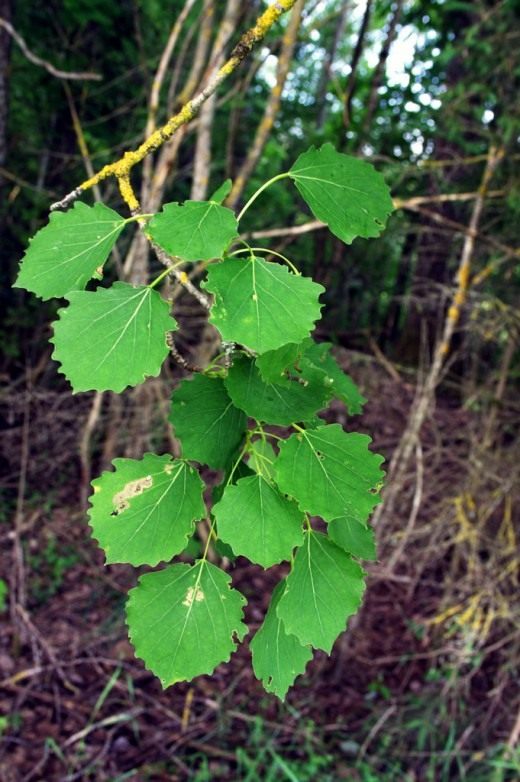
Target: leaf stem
{"type": "Point", "coordinates": [259, 191]}
{"type": "Point", "coordinates": [164, 274]}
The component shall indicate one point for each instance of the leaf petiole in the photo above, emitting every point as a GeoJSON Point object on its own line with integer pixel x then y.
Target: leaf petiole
{"type": "Point", "coordinates": [259, 191]}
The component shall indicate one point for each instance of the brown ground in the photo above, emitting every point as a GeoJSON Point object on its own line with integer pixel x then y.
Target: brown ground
{"type": "Point", "coordinates": [80, 707]}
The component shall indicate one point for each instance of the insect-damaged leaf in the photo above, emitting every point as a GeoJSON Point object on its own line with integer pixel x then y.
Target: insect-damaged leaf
{"type": "Point", "coordinates": [206, 422]}
{"type": "Point", "coordinates": [144, 512]}
{"type": "Point", "coordinates": [261, 304]}
{"type": "Point", "coordinates": [195, 230]}
{"type": "Point", "coordinates": [278, 658]}
{"type": "Point", "coordinates": [346, 193]}
{"type": "Point", "coordinates": [279, 403]}
{"type": "Point", "coordinates": [112, 338]}
{"type": "Point", "coordinates": [330, 473]}
{"type": "Point", "coordinates": [185, 620]}
{"type": "Point", "coordinates": [324, 588]}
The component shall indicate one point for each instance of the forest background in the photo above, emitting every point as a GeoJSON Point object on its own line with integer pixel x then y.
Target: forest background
{"type": "Point", "coordinates": [424, 685]}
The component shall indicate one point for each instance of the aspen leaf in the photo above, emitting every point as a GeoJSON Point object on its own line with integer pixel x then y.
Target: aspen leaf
{"type": "Point", "coordinates": [195, 230]}
{"type": "Point", "coordinates": [205, 420]}
{"type": "Point", "coordinates": [112, 338]}
{"type": "Point", "coordinates": [65, 254]}
{"type": "Point", "coordinates": [280, 403]}
{"type": "Point", "coordinates": [353, 537]}
{"type": "Point", "coordinates": [344, 192]}
{"type": "Point", "coordinates": [261, 304]}
{"type": "Point", "coordinates": [185, 620]}
{"type": "Point", "coordinates": [278, 658]}
{"type": "Point", "coordinates": [340, 384]}
{"type": "Point", "coordinates": [144, 511]}
{"type": "Point", "coordinates": [257, 522]}
{"type": "Point", "coordinates": [330, 473]}
{"type": "Point", "coordinates": [323, 589]}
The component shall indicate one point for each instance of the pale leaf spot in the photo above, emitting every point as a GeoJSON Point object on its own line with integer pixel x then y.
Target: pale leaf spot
{"type": "Point", "coordinates": [193, 595]}
{"type": "Point", "coordinates": [131, 490]}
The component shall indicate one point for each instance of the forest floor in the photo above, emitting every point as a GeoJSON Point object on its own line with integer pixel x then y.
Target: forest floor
{"type": "Point", "coordinates": [399, 698]}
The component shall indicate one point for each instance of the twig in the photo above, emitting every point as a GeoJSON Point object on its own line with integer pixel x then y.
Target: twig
{"type": "Point", "coordinates": [82, 75]}
{"type": "Point", "coordinates": [121, 168]}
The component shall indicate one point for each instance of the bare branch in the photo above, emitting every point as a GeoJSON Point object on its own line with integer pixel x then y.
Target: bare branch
{"type": "Point", "coordinates": [49, 67]}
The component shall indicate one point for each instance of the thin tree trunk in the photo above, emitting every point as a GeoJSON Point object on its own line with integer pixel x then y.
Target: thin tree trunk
{"type": "Point", "coordinates": [271, 109]}
{"type": "Point", "coordinates": [5, 51]}
{"type": "Point", "coordinates": [379, 71]}
{"type": "Point", "coordinates": [202, 161]}
{"type": "Point", "coordinates": [354, 63]}
{"type": "Point", "coordinates": [330, 56]}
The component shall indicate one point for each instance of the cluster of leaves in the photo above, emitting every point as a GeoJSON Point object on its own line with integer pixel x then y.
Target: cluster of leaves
{"type": "Point", "coordinates": [186, 619]}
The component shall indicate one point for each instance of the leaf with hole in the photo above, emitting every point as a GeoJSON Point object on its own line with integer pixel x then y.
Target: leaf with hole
{"type": "Point", "coordinates": [185, 620]}
{"type": "Point", "coordinates": [341, 385]}
{"type": "Point", "coordinates": [143, 513]}
{"type": "Point", "coordinates": [280, 403]}
{"type": "Point", "coordinates": [257, 522]}
{"type": "Point", "coordinates": [206, 422]}
{"type": "Point", "coordinates": [344, 192]}
{"type": "Point", "coordinates": [324, 588]}
{"type": "Point", "coordinates": [69, 251]}
{"type": "Point", "coordinates": [112, 338]}
{"type": "Point", "coordinates": [278, 658]}
{"type": "Point", "coordinates": [330, 473]}
{"type": "Point", "coordinates": [260, 304]}
{"type": "Point", "coordinates": [194, 230]}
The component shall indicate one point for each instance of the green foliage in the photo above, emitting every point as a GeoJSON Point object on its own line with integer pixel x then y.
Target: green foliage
{"type": "Point", "coordinates": [144, 512]}
{"type": "Point", "coordinates": [186, 619]}
{"type": "Point", "coordinates": [206, 422]}
{"type": "Point", "coordinates": [258, 522]}
{"type": "Point", "coordinates": [323, 589]}
{"type": "Point", "coordinates": [69, 251]}
{"type": "Point", "coordinates": [195, 230]}
{"type": "Point", "coordinates": [199, 617]}
{"type": "Point", "coordinates": [112, 338]}
{"type": "Point", "coordinates": [345, 193]}
{"type": "Point", "coordinates": [330, 473]}
{"type": "Point", "coordinates": [3, 595]}
{"type": "Point", "coordinates": [261, 304]}
{"type": "Point", "coordinates": [278, 657]}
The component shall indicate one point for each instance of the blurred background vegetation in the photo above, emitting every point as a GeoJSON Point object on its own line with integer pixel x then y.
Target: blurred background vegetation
{"type": "Point", "coordinates": [424, 685]}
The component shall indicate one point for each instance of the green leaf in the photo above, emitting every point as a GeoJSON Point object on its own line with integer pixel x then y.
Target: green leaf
{"type": "Point", "coordinates": [340, 384]}
{"type": "Point", "coordinates": [261, 458]}
{"type": "Point", "coordinates": [112, 338]}
{"type": "Point", "coordinates": [206, 422]}
{"type": "Point", "coordinates": [65, 254]}
{"type": "Point", "coordinates": [330, 473]}
{"type": "Point", "coordinates": [278, 658]}
{"type": "Point", "coordinates": [353, 537]}
{"type": "Point", "coordinates": [274, 363]}
{"type": "Point", "coordinates": [222, 192]}
{"type": "Point", "coordinates": [346, 193]}
{"type": "Point", "coordinates": [183, 620]}
{"type": "Point", "coordinates": [260, 304]}
{"type": "Point", "coordinates": [323, 589]}
{"type": "Point", "coordinates": [276, 403]}
{"type": "Point", "coordinates": [144, 512]}
{"type": "Point", "coordinates": [257, 522]}
{"type": "Point", "coordinates": [195, 230]}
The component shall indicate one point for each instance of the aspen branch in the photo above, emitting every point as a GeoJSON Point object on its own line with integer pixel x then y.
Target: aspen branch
{"type": "Point", "coordinates": [121, 168]}
{"type": "Point", "coordinates": [49, 67]}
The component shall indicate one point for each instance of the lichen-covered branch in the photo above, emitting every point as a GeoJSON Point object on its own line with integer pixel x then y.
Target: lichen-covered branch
{"type": "Point", "coordinates": [121, 168]}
